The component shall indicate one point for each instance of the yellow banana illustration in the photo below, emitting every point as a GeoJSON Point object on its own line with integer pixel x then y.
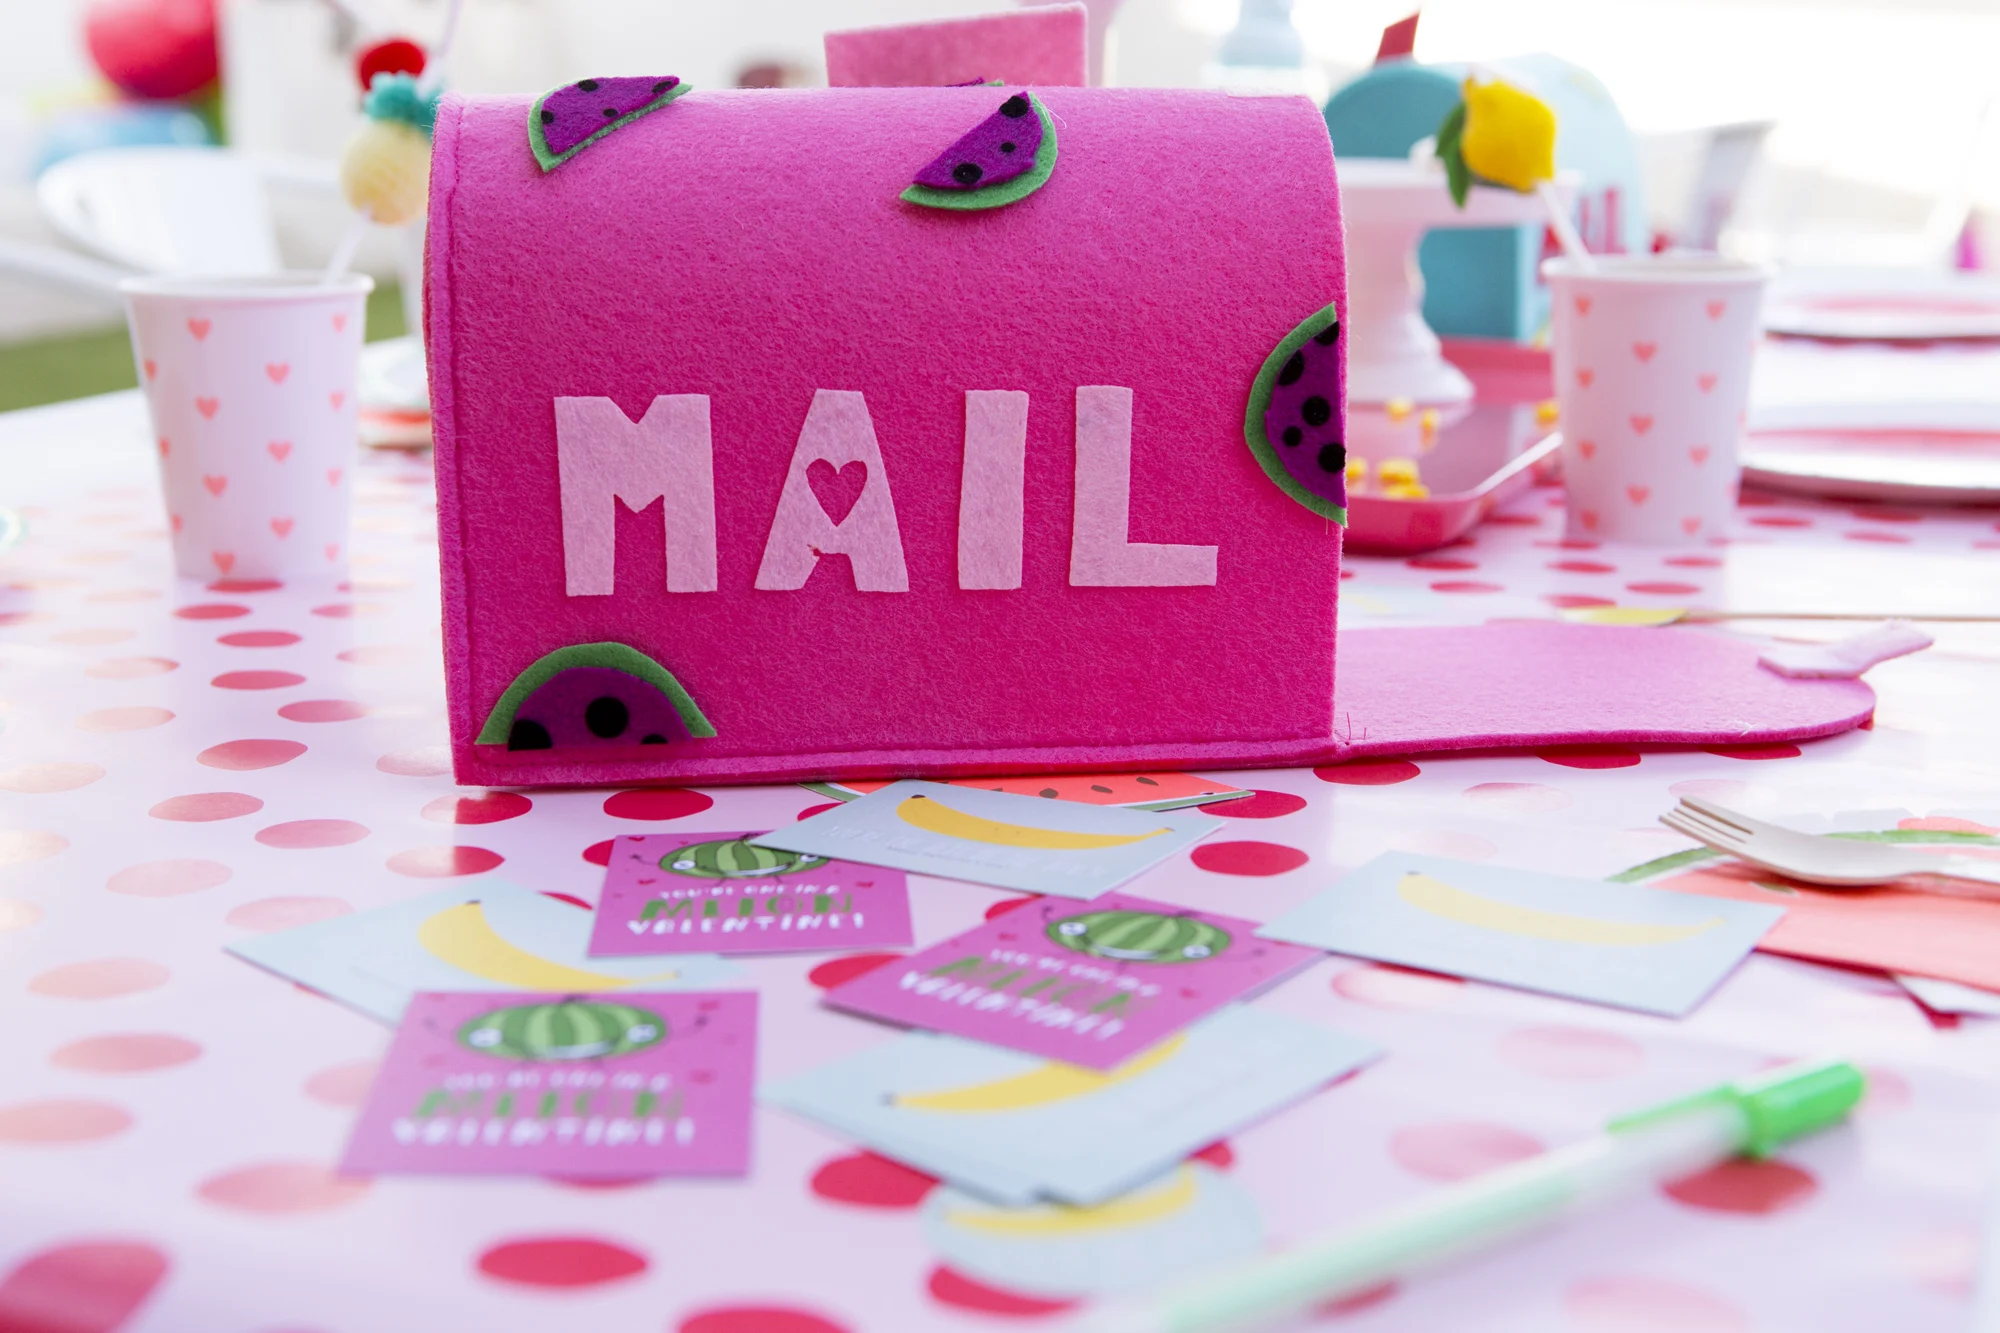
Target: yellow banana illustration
{"type": "Point", "coordinates": [937, 817]}
{"type": "Point", "coordinates": [1438, 898]}
{"type": "Point", "coordinates": [1137, 1209]}
{"type": "Point", "coordinates": [1041, 1086]}
{"type": "Point", "coordinates": [462, 937]}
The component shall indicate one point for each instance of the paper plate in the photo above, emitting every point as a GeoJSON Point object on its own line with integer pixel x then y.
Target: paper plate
{"type": "Point", "coordinates": [1918, 307]}
{"type": "Point", "coordinates": [1917, 466]}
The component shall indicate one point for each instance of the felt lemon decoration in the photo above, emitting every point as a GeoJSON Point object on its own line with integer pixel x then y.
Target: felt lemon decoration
{"type": "Point", "coordinates": [1500, 135]}
{"type": "Point", "coordinates": [386, 166]}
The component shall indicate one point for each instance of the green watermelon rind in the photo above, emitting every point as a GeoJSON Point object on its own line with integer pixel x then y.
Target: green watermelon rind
{"type": "Point", "coordinates": [1007, 192]}
{"type": "Point", "coordinates": [1260, 402]}
{"type": "Point", "coordinates": [539, 145]}
{"type": "Point", "coordinates": [616, 656]}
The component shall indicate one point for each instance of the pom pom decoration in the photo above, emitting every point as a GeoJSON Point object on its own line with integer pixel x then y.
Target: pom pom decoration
{"type": "Point", "coordinates": [385, 167]}
{"type": "Point", "coordinates": [1498, 135]}
{"type": "Point", "coordinates": [396, 55]}
{"type": "Point", "coordinates": [153, 49]}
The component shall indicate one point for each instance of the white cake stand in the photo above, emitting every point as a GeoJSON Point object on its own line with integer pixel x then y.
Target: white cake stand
{"type": "Point", "coordinates": [1389, 204]}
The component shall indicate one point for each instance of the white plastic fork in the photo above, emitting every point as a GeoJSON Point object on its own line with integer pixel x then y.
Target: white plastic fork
{"type": "Point", "coordinates": [1839, 862]}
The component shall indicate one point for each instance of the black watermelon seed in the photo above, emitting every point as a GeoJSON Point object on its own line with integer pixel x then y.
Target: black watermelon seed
{"type": "Point", "coordinates": [1316, 410]}
{"type": "Point", "coordinates": [654, 738]}
{"type": "Point", "coordinates": [606, 717]}
{"type": "Point", "coordinates": [1293, 435]}
{"type": "Point", "coordinates": [1050, 792]}
{"type": "Point", "coordinates": [526, 735]}
{"type": "Point", "coordinates": [1328, 336]}
{"type": "Point", "coordinates": [1014, 107]}
{"type": "Point", "coordinates": [548, 117]}
{"type": "Point", "coordinates": [1148, 781]}
{"type": "Point", "coordinates": [1006, 148]}
{"type": "Point", "coordinates": [662, 86]}
{"type": "Point", "coordinates": [1333, 458]}
{"type": "Point", "coordinates": [588, 85]}
{"type": "Point", "coordinates": [611, 113]}
{"type": "Point", "coordinates": [967, 173]}
{"type": "Point", "coordinates": [1105, 790]}
{"type": "Point", "coordinates": [1293, 369]}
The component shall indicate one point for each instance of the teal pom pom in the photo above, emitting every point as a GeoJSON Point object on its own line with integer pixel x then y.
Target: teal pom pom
{"type": "Point", "coordinates": [398, 97]}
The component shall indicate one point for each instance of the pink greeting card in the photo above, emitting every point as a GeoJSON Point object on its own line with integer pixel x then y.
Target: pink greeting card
{"type": "Point", "coordinates": [609, 1085]}
{"type": "Point", "coordinates": [719, 893]}
{"type": "Point", "coordinates": [1088, 984]}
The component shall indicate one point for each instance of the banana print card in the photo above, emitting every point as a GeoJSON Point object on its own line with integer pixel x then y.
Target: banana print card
{"type": "Point", "coordinates": [611, 1085]}
{"type": "Point", "coordinates": [721, 893]}
{"type": "Point", "coordinates": [488, 935]}
{"type": "Point", "coordinates": [1091, 984]}
{"type": "Point", "coordinates": [1616, 944]}
{"type": "Point", "coordinates": [1031, 843]}
{"type": "Point", "coordinates": [1012, 1127]}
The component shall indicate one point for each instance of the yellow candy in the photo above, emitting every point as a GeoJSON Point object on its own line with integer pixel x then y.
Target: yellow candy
{"type": "Point", "coordinates": [1398, 408]}
{"type": "Point", "coordinates": [1427, 421]}
{"type": "Point", "coordinates": [1407, 491]}
{"type": "Point", "coordinates": [1510, 135]}
{"type": "Point", "coordinates": [1546, 412]}
{"type": "Point", "coordinates": [385, 171]}
{"type": "Point", "coordinates": [1357, 473]}
{"type": "Point", "coordinates": [1398, 472]}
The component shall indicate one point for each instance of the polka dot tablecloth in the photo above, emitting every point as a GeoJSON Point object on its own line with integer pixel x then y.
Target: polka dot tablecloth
{"type": "Point", "coordinates": [185, 765]}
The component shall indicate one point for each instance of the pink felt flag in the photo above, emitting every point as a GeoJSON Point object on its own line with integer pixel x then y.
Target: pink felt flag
{"type": "Point", "coordinates": [1044, 45]}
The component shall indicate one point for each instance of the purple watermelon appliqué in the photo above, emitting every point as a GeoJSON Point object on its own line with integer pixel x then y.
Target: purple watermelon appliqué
{"type": "Point", "coordinates": [1303, 422]}
{"type": "Point", "coordinates": [997, 149]}
{"type": "Point", "coordinates": [572, 116]}
{"type": "Point", "coordinates": [587, 706]}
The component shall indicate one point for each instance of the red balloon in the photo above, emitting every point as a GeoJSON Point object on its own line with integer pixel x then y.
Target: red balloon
{"type": "Point", "coordinates": [397, 55]}
{"type": "Point", "coordinates": [153, 48]}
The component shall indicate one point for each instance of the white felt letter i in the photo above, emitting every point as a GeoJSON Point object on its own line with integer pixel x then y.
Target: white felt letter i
{"type": "Point", "coordinates": [603, 458]}
{"type": "Point", "coordinates": [1101, 552]}
{"type": "Point", "coordinates": [990, 488]}
{"type": "Point", "coordinates": [838, 433]}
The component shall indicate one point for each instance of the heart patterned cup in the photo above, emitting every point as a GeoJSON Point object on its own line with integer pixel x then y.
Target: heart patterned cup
{"type": "Point", "coordinates": [1652, 366]}
{"type": "Point", "coordinates": [250, 384]}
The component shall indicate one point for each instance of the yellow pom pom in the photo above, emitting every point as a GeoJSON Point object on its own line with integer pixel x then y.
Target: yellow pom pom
{"type": "Point", "coordinates": [1510, 135]}
{"type": "Point", "coordinates": [1398, 472]}
{"type": "Point", "coordinates": [385, 171]}
{"type": "Point", "coordinates": [1357, 473]}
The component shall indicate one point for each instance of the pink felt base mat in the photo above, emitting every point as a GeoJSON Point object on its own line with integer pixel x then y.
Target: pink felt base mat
{"type": "Point", "coordinates": [1401, 691]}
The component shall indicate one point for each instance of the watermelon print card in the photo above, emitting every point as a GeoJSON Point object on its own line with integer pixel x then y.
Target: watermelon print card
{"type": "Point", "coordinates": [721, 893]}
{"type": "Point", "coordinates": [1093, 984]}
{"type": "Point", "coordinates": [601, 1086]}
{"type": "Point", "coordinates": [1003, 1124]}
{"type": "Point", "coordinates": [1634, 948]}
{"type": "Point", "coordinates": [1133, 791]}
{"type": "Point", "coordinates": [1007, 840]}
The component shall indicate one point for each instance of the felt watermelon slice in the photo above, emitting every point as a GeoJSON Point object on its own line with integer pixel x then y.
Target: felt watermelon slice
{"type": "Point", "coordinates": [1002, 159]}
{"type": "Point", "coordinates": [1136, 791]}
{"type": "Point", "coordinates": [563, 123]}
{"type": "Point", "coordinates": [593, 696]}
{"type": "Point", "coordinates": [1295, 422]}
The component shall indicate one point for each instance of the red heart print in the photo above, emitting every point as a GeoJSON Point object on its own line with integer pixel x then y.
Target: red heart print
{"type": "Point", "coordinates": [333, 551]}
{"type": "Point", "coordinates": [166, 446]}
{"type": "Point", "coordinates": [337, 397]}
{"type": "Point", "coordinates": [224, 560]}
{"type": "Point", "coordinates": [277, 370]}
{"type": "Point", "coordinates": [1637, 494]}
{"type": "Point", "coordinates": [339, 323]}
{"type": "Point", "coordinates": [1699, 454]}
{"type": "Point", "coordinates": [1588, 517]}
{"type": "Point", "coordinates": [1584, 376]}
{"type": "Point", "coordinates": [1715, 309]}
{"type": "Point", "coordinates": [1644, 351]}
{"type": "Point", "coordinates": [174, 521]}
{"type": "Point", "coordinates": [1588, 448]}
{"type": "Point", "coordinates": [1690, 526]}
{"type": "Point", "coordinates": [214, 483]}
{"type": "Point", "coordinates": [1707, 382]}
{"type": "Point", "coordinates": [1583, 305]}
{"type": "Point", "coordinates": [837, 490]}
{"type": "Point", "coordinates": [152, 369]}
{"type": "Point", "coordinates": [333, 476]}
{"type": "Point", "coordinates": [1641, 424]}
{"type": "Point", "coordinates": [199, 328]}
{"type": "Point", "coordinates": [279, 449]}
{"type": "Point", "coordinates": [207, 407]}
{"type": "Point", "coordinates": [282, 526]}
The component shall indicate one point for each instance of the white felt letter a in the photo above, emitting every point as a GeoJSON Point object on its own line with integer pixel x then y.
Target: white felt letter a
{"type": "Point", "coordinates": [603, 458]}
{"type": "Point", "coordinates": [838, 433]}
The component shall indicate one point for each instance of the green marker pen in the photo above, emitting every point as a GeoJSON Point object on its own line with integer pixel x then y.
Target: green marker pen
{"type": "Point", "coordinates": [1753, 1116]}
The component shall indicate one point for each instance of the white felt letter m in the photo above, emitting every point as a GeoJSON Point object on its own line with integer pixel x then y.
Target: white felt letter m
{"type": "Point", "coordinates": [604, 458]}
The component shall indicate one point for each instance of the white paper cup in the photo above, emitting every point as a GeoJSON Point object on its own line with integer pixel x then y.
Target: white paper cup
{"type": "Point", "coordinates": [1652, 366]}
{"type": "Point", "coordinates": [251, 385]}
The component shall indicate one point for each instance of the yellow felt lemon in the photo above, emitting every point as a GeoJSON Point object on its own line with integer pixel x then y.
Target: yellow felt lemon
{"type": "Point", "coordinates": [385, 171]}
{"type": "Point", "coordinates": [1509, 137]}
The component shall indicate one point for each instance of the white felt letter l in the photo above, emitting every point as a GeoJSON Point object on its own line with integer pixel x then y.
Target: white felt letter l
{"type": "Point", "coordinates": [1101, 552]}
{"type": "Point", "coordinates": [837, 432]}
{"type": "Point", "coordinates": [990, 488]}
{"type": "Point", "coordinates": [602, 457]}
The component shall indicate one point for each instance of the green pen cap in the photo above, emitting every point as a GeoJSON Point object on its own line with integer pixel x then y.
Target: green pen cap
{"type": "Point", "coordinates": [1778, 1105]}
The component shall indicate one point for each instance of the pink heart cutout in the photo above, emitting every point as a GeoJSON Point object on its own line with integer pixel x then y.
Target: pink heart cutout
{"type": "Point", "coordinates": [1585, 376]}
{"type": "Point", "coordinates": [1644, 351]}
{"type": "Point", "coordinates": [174, 521]}
{"type": "Point", "coordinates": [1588, 517]}
{"type": "Point", "coordinates": [1583, 305]}
{"type": "Point", "coordinates": [1588, 448]}
{"type": "Point", "coordinates": [837, 491]}
{"type": "Point", "coordinates": [333, 476]}
{"type": "Point", "coordinates": [282, 526]}
{"type": "Point", "coordinates": [1690, 526]}
{"type": "Point", "coordinates": [166, 446]}
{"type": "Point", "coordinates": [337, 397]}
{"type": "Point", "coordinates": [207, 407]}
{"type": "Point", "coordinates": [1637, 494]}
{"type": "Point", "coordinates": [339, 323]}
{"type": "Point", "coordinates": [152, 369]}
{"type": "Point", "coordinates": [1715, 309]}
{"type": "Point", "coordinates": [1641, 424]}
{"type": "Point", "coordinates": [199, 328]}
{"type": "Point", "coordinates": [1707, 382]}
{"type": "Point", "coordinates": [277, 370]}
{"type": "Point", "coordinates": [333, 551]}
{"type": "Point", "coordinates": [279, 449]}
{"type": "Point", "coordinates": [215, 484]}
{"type": "Point", "coordinates": [224, 560]}
{"type": "Point", "coordinates": [1699, 454]}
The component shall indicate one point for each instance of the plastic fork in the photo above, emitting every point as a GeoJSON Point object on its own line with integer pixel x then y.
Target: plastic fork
{"type": "Point", "coordinates": [1812, 858]}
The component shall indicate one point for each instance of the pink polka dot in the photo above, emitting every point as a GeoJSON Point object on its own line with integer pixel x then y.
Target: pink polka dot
{"type": "Point", "coordinates": [168, 879]}
{"type": "Point", "coordinates": [490, 808]}
{"type": "Point", "coordinates": [125, 1053]}
{"type": "Point", "coordinates": [839, 971]}
{"type": "Point", "coordinates": [40, 779]}
{"type": "Point", "coordinates": [245, 585]}
{"type": "Point", "coordinates": [91, 1286]}
{"type": "Point", "coordinates": [1878, 538]}
{"type": "Point", "coordinates": [757, 1319]}
{"type": "Point", "coordinates": [268, 914]}
{"type": "Point", "coordinates": [950, 1287]}
{"type": "Point", "coordinates": [1664, 588]}
{"type": "Point", "coordinates": [323, 710]}
{"type": "Point", "coordinates": [381, 655]}
{"type": "Point", "coordinates": [67, 1120]}
{"type": "Point", "coordinates": [335, 610]}
{"type": "Point", "coordinates": [1693, 561]}
{"type": "Point", "coordinates": [1258, 804]}
{"type": "Point", "coordinates": [1574, 1054]}
{"type": "Point", "coordinates": [1217, 1154]}
{"type": "Point", "coordinates": [16, 915]}
{"type": "Point", "coordinates": [206, 807]}
{"type": "Point", "coordinates": [1634, 1304]}
{"type": "Point", "coordinates": [90, 638]}
{"type": "Point", "coordinates": [1442, 563]}
{"type": "Point", "coordinates": [211, 611]}
{"type": "Point", "coordinates": [278, 1188]}
{"type": "Point", "coordinates": [257, 680]}
{"type": "Point", "coordinates": [1742, 1185]}
{"type": "Point", "coordinates": [424, 761]}
{"type": "Point", "coordinates": [1778, 750]}
{"type": "Point", "coordinates": [561, 1261]}
{"type": "Point", "coordinates": [302, 834]}
{"type": "Point", "coordinates": [598, 853]}
{"type": "Point", "coordinates": [1459, 1149]}
{"type": "Point", "coordinates": [1583, 567]}
{"type": "Point", "coordinates": [130, 668]}
{"type": "Point", "coordinates": [1588, 756]}
{"type": "Point", "coordinates": [120, 596]}
{"type": "Point", "coordinates": [656, 803]}
{"type": "Point", "coordinates": [135, 717]}
{"type": "Point", "coordinates": [1780, 521]}
{"type": "Point", "coordinates": [1521, 798]}
{"type": "Point", "coordinates": [246, 756]}
{"type": "Point", "coordinates": [443, 862]}
{"type": "Point", "coordinates": [259, 638]}
{"type": "Point", "coordinates": [1247, 858]}
{"type": "Point", "coordinates": [812, 810]}
{"type": "Point", "coordinates": [100, 979]}
{"type": "Point", "coordinates": [1368, 772]}
{"type": "Point", "coordinates": [868, 1181]}
{"type": "Point", "coordinates": [343, 1085]}
{"type": "Point", "coordinates": [19, 846]}
{"type": "Point", "coordinates": [1465, 585]}
{"type": "Point", "coordinates": [1573, 601]}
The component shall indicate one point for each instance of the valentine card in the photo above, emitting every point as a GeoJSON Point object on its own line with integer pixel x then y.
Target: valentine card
{"type": "Point", "coordinates": [594, 1086]}
{"type": "Point", "coordinates": [1090, 984]}
{"type": "Point", "coordinates": [721, 893]}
